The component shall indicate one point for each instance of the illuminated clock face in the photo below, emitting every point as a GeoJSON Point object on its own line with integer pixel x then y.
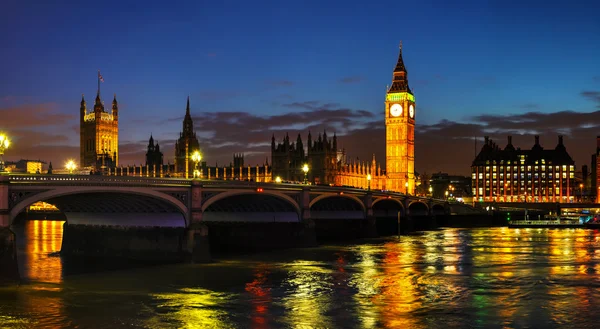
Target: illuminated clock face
{"type": "Point", "coordinates": [411, 111]}
{"type": "Point", "coordinates": [396, 110]}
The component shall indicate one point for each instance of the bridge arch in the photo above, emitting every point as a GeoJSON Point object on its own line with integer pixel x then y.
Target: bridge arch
{"type": "Point", "coordinates": [265, 206]}
{"type": "Point", "coordinates": [337, 195]}
{"type": "Point", "coordinates": [387, 207]}
{"type": "Point", "coordinates": [418, 208]}
{"type": "Point", "coordinates": [438, 209]}
{"type": "Point", "coordinates": [67, 197]}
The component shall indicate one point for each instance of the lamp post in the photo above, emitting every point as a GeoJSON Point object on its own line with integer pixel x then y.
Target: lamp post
{"type": "Point", "coordinates": [580, 193]}
{"type": "Point", "coordinates": [406, 186]}
{"type": "Point", "coordinates": [70, 166]}
{"type": "Point", "coordinates": [196, 157]}
{"type": "Point", "coordinates": [430, 191]}
{"type": "Point", "coordinates": [4, 144]}
{"type": "Point", "coordinates": [305, 169]}
{"type": "Point", "coordinates": [277, 179]}
{"type": "Point", "coordinates": [368, 182]}
{"type": "Point", "coordinates": [446, 193]}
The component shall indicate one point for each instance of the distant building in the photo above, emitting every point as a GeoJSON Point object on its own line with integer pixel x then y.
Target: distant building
{"type": "Point", "coordinates": [515, 175]}
{"type": "Point", "coordinates": [25, 166]}
{"type": "Point", "coordinates": [457, 186]}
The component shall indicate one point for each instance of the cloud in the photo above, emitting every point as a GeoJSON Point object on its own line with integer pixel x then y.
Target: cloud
{"type": "Point", "coordinates": [592, 95]}
{"type": "Point", "coordinates": [352, 79]}
{"type": "Point", "coordinates": [33, 115]}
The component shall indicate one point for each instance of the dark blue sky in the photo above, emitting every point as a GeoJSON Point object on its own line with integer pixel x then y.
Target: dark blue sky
{"type": "Point", "coordinates": [270, 59]}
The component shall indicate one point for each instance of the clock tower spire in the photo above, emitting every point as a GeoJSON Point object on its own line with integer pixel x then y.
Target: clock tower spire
{"type": "Point", "coordinates": [400, 111]}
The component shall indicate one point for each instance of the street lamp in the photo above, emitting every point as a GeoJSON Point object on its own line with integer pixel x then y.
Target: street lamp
{"type": "Point", "coordinates": [4, 144]}
{"type": "Point", "coordinates": [446, 193]}
{"type": "Point", "coordinates": [71, 166]}
{"type": "Point", "coordinates": [278, 179]}
{"type": "Point", "coordinates": [580, 192]}
{"type": "Point", "coordinates": [196, 157]}
{"type": "Point", "coordinates": [430, 191]}
{"type": "Point", "coordinates": [305, 169]}
{"type": "Point", "coordinates": [406, 186]}
{"type": "Point", "coordinates": [368, 182]}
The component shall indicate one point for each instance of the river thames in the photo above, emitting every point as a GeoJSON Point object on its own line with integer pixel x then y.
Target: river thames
{"type": "Point", "coordinates": [451, 278]}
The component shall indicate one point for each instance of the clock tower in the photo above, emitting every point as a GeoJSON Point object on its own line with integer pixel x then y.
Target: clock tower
{"type": "Point", "coordinates": [400, 112]}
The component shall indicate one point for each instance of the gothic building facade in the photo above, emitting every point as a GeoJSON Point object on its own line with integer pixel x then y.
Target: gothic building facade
{"type": "Point", "coordinates": [321, 156]}
{"type": "Point", "coordinates": [185, 146]}
{"type": "Point", "coordinates": [99, 135]}
{"type": "Point", "coordinates": [328, 165]}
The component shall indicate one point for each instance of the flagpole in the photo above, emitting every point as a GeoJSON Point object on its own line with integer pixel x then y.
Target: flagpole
{"type": "Point", "coordinates": [98, 83]}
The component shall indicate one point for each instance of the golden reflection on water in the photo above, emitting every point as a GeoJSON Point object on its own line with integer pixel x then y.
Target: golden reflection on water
{"type": "Point", "coordinates": [309, 291]}
{"type": "Point", "coordinates": [190, 308]}
{"type": "Point", "coordinates": [43, 239]}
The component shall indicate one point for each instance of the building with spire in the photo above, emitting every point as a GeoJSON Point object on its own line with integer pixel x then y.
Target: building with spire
{"type": "Point", "coordinates": [327, 163]}
{"type": "Point", "coordinates": [510, 174]}
{"type": "Point", "coordinates": [99, 134]}
{"type": "Point", "coordinates": [154, 157]}
{"type": "Point", "coordinates": [186, 145]}
{"type": "Point", "coordinates": [400, 114]}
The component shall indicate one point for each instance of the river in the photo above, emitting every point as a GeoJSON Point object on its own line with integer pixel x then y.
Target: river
{"type": "Point", "coordinates": [451, 278]}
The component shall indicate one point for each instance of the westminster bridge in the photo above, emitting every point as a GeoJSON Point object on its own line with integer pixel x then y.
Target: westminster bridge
{"type": "Point", "coordinates": [169, 217]}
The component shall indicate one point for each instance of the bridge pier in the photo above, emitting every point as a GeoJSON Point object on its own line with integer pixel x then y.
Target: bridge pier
{"type": "Point", "coordinates": [9, 268]}
{"type": "Point", "coordinates": [197, 240]}
{"type": "Point", "coordinates": [310, 233]}
{"type": "Point", "coordinates": [371, 222]}
{"type": "Point", "coordinates": [144, 244]}
{"type": "Point", "coordinates": [197, 243]}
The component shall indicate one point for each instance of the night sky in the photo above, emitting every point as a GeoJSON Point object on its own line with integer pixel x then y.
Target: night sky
{"type": "Point", "coordinates": [254, 68]}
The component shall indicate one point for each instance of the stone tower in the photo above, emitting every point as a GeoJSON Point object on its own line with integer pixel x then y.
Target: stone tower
{"type": "Point", "coordinates": [400, 113]}
{"type": "Point", "coordinates": [99, 135]}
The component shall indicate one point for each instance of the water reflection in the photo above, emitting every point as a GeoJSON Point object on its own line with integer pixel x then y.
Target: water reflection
{"type": "Point", "coordinates": [481, 278]}
{"type": "Point", "coordinates": [40, 242]}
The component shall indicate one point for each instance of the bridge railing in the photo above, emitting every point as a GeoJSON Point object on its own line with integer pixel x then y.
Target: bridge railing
{"type": "Point", "coordinates": [83, 179]}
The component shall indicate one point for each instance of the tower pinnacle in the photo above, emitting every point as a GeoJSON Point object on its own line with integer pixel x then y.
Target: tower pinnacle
{"type": "Point", "coordinates": [400, 76]}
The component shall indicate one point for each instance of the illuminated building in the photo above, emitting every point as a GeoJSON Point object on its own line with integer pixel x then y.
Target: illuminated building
{"type": "Point", "coordinates": [25, 166]}
{"type": "Point", "coordinates": [595, 172]}
{"type": "Point", "coordinates": [99, 135]}
{"type": "Point", "coordinates": [328, 164]}
{"type": "Point", "coordinates": [400, 112]}
{"type": "Point", "coordinates": [321, 157]}
{"type": "Point", "coordinates": [185, 146]}
{"type": "Point", "coordinates": [515, 175]}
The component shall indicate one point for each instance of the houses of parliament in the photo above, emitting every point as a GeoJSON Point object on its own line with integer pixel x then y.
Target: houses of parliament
{"type": "Point", "coordinates": [326, 162]}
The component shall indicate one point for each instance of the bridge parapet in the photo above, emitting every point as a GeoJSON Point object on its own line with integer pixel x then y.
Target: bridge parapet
{"type": "Point", "coordinates": [95, 180]}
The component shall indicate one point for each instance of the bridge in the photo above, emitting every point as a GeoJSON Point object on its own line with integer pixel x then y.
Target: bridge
{"type": "Point", "coordinates": [175, 215]}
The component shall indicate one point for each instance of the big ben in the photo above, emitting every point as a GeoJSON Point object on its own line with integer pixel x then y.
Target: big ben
{"type": "Point", "coordinates": [400, 112]}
